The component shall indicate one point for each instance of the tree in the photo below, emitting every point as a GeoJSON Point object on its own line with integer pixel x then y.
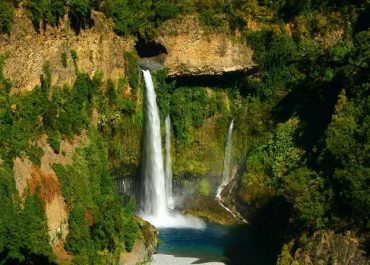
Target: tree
{"type": "Point", "coordinates": [6, 16]}
{"type": "Point", "coordinates": [79, 13]}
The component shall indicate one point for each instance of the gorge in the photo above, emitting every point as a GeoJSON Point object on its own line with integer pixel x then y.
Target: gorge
{"type": "Point", "coordinates": [184, 132]}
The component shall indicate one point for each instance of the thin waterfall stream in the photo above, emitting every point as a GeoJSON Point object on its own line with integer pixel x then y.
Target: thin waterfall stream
{"type": "Point", "coordinates": [168, 165]}
{"type": "Point", "coordinates": [226, 179]}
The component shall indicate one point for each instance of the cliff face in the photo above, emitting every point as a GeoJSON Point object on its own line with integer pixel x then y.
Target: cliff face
{"type": "Point", "coordinates": [97, 48]}
{"type": "Point", "coordinates": [324, 248]}
{"type": "Point", "coordinates": [43, 180]}
{"type": "Point", "coordinates": [192, 50]}
{"type": "Point", "coordinates": [330, 248]}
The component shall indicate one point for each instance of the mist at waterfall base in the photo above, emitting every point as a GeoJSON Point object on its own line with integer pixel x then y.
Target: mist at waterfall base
{"type": "Point", "coordinates": [157, 198]}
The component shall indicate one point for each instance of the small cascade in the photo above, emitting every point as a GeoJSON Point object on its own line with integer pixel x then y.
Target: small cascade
{"type": "Point", "coordinates": [226, 179]}
{"type": "Point", "coordinates": [168, 165]}
{"type": "Point", "coordinates": [227, 161]}
{"type": "Point", "coordinates": [157, 183]}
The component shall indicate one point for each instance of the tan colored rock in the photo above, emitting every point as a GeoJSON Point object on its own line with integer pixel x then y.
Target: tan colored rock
{"type": "Point", "coordinates": [22, 169]}
{"type": "Point", "coordinates": [44, 180]}
{"type": "Point", "coordinates": [98, 48]}
{"type": "Point", "coordinates": [194, 51]}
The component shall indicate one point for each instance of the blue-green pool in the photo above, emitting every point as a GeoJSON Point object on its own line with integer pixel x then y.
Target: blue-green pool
{"type": "Point", "coordinates": [233, 245]}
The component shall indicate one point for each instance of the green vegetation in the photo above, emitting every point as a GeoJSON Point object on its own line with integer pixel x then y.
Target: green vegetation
{"type": "Point", "coordinates": [100, 228]}
{"type": "Point", "coordinates": [47, 12]}
{"type": "Point", "coordinates": [6, 16]}
{"type": "Point", "coordinates": [204, 188]}
{"type": "Point", "coordinates": [314, 155]}
{"type": "Point", "coordinates": [88, 190]}
{"type": "Point", "coordinates": [23, 230]}
{"type": "Point", "coordinates": [63, 58]}
{"type": "Point", "coordinates": [301, 122]}
{"type": "Point", "coordinates": [132, 69]}
{"type": "Point", "coordinates": [304, 115]}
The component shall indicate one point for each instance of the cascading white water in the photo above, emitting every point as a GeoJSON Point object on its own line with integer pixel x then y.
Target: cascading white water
{"type": "Point", "coordinates": [153, 172]}
{"type": "Point", "coordinates": [226, 173]}
{"type": "Point", "coordinates": [155, 208]}
{"type": "Point", "coordinates": [227, 161]}
{"type": "Point", "coordinates": [168, 166]}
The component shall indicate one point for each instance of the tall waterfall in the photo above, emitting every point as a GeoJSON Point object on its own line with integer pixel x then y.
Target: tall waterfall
{"type": "Point", "coordinates": [153, 172]}
{"type": "Point", "coordinates": [227, 160]}
{"type": "Point", "coordinates": [156, 190]}
{"type": "Point", "coordinates": [168, 166]}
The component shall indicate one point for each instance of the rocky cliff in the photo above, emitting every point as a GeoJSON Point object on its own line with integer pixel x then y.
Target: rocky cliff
{"type": "Point", "coordinates": [195, 50]}
{"type": "Point", "coordinates": [43, 180]}
{"type": "Point", "coordinates": [324, 248]}
{"type": "Point", "coordinates": [98, 49]}
{"type": "Point", "coordinates": [191, 50]}
{"type": "Point", "coordinates": [330, 248]}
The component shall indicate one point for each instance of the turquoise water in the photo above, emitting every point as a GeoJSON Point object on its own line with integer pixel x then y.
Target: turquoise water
{"type": "Point", "coordinates": [233, 245]}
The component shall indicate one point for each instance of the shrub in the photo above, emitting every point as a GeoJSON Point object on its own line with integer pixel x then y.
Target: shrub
{"type": "Point", "coordinates": [204, 188]}
{"type": "Point", "coordinates": [6, 16]}
{"type": "Point", "coordinates": [45, 11]}
{"type": "Point", "coordinates": [79, 13]}
{"type": "Point", "coordinates": [210, 18]}
{"type": "Point", "coordinates": [35, 153]}
{"type": "Point", "coordinates": [165, 10]}
{"type": "Point", "coordinates": [55, 141]}
{"type": "Point", "coordinates": [74, 59]}
{"type": "Point", "coordinates": [132, 69]}
{"type": "Point", "coordinates": [63, 58]}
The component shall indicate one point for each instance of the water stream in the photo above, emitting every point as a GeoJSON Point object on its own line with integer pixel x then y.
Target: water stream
{"type": "Point", "coordinates": [226, 178]}
{"type": "Point", "coordinates": [168, 166]}
{"type": "Point", "coordinates": [157, 192]}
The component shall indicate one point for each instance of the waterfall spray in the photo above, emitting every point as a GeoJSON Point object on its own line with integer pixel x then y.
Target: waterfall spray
{"type": "Point", "coordinates": [157, 187]}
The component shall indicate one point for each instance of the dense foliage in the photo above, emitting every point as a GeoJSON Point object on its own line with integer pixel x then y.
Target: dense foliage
{"type": "Point", "coordinates": [6, 16]}
{"type": "Point", "coordinates": [317, 155]}
{"type": "Point", "coordinates": [302, 120]}
{"type": "Point", "coordinates": [100, 228]}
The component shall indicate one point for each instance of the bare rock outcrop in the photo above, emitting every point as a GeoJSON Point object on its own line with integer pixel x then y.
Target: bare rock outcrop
{"type": "Point", "coordinates": [98, 49]}
{"type": "Point", "coordinates": [43, 180]}
{"type": "Point", "coordinates": [326, 248]}
{"type": "Point", "coordinates": [144, 247]}
{"type": "Point", "coordinates": [192, 50]}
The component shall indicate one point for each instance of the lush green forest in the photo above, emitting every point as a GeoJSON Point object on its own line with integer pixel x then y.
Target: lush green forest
{"type": "Point", "coordinates": [303, 117]}
{"type": "Point", "coordinates": [87, 185]}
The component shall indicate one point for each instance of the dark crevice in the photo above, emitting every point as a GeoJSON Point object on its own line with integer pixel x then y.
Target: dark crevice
{"type": "Point", "coordinates": [79, 22]}
{"type": "Point", "coordinates": [218, 81]}
{"type": "Point", "coordinates": [149, 49]}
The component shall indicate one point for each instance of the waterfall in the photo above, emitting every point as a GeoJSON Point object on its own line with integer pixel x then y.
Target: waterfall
{"type": "Point", "coordinates": [168, 168]}
{"type": "Point", "coordinates": [226, 174]}
{"type": "Point", "coordinates": [153, 172]}
{"type": "Point", "coordinates": [227, 160]}
{"type": "Point", "coordinates": [155, 187]}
